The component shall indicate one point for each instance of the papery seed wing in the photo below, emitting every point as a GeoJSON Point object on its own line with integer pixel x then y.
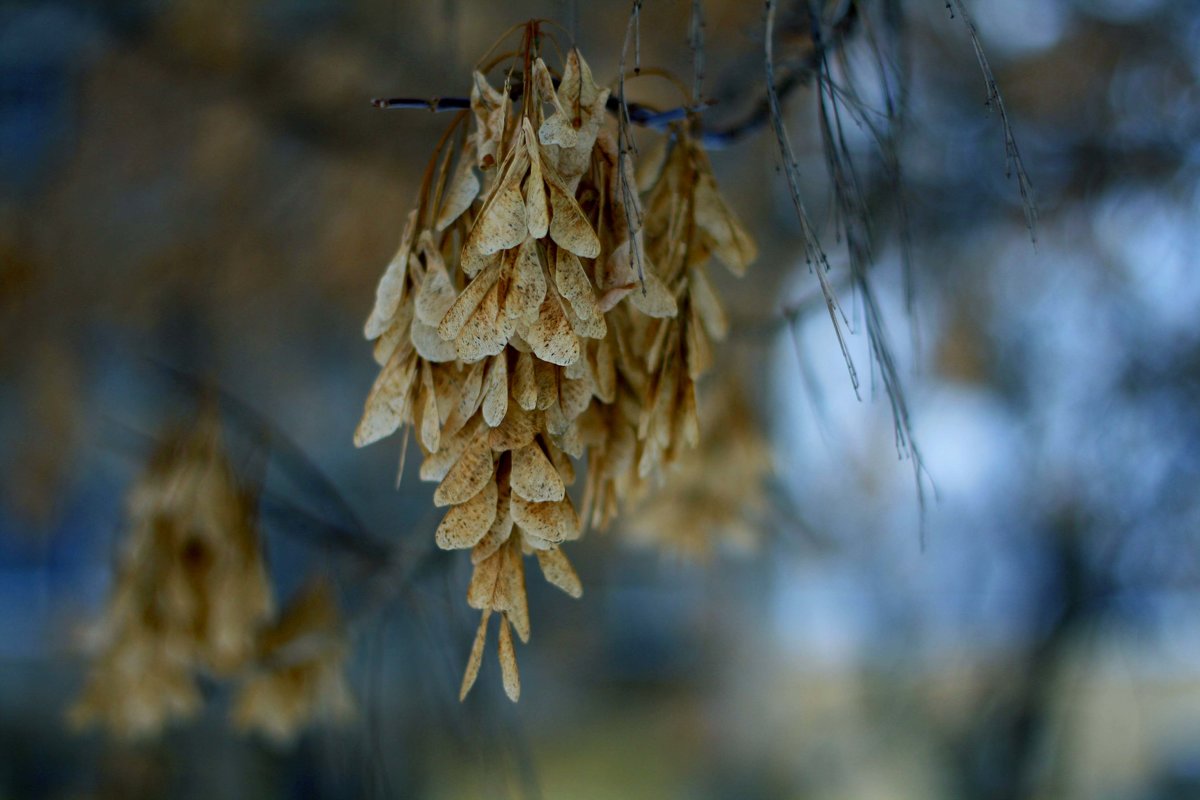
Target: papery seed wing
{"type": "Point", "coordinates": [524, 388]}
{"type": "Point", "coordinates": [475, 659]}
{"type": "Point", "coordinates": [562, 463]}
{"type": "Point", "coordinates": [528, 288]}
{"type": "Point", "coordinates": [699, 348]}
{"type": "Point", "coordinates": [495, 391]}
{"type": "Point", "coordinates": [569, 228]}
{"type": "Point", "coordinates": [486, 332]}
{"type": "Point", "coordinates": [590, 327]}
{"type": "Point", "coordinates": [508, 663]}
{"type": "Point", "coordinates": [559, 572]}
{"type": "Point", "coordinates": [395, 337]}
{"type": "Point", "coordinates": [707, 304]}
{"type": "Point", "coordinates": [552, 521]}
{"type": "Point", "coordinates": [512, 586]}
{"type": "Point", "coordinates": [464, 188]}
{"type": "Point", "coordinates": [430, 422]}
{"type": "Point", "coordinates": [574, 396]}
{"type": "Point", "coordinates": [471, 394]}
{"type": "Point", "coordinates": [545, 375]}
{"type": "Point", "coordinates": [653, 298]}
{"type": "Point", "coordinates": [468, 475]}
{"type": "Point", "coordinates": [573, 284]}
{"type": "Point", "coordinates": [731, 243]}
{"type": "Point", "coordinates": [516, 430]}
{"type": "Point", "coordinates": [534, 478]}
{"type": "Point", "coordinates": [499, 531]}
{"type": "Point", "coordinates": [557, 128]}
{"type": "Point", "coordinates": [481, 591]}
{"type": "Point", "coordinates": [436, 466]}
{"type": "Point", "coordinates": [464, 525]}
{"type": "Point", "coordinates": [436, 294]}
{"type": "Point", "coordinates": [501, 222]}
{"type": "Point", "coordinates": [380, 417]}
{"type": "Point", "coordinates": [390, 291]}
{"type": "Point", "coordinates": [537, 211]}
{"type": "Point", "coordinates": [429, 345]}
{"type": "Point", "coordinates": [551, 336]}
{"type": "Point", "coordinates": [454, 320]}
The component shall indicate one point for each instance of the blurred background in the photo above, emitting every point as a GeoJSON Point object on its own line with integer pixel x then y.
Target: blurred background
{"type": "Point", "coordinates": [198, 193]}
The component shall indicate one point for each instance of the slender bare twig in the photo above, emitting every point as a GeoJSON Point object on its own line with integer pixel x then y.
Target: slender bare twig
{"type": "Point", "coordinates": [696, 42]}
{"type": "Point", "coordinates": [1012, 154]}
{"type": "Point", "coordinates": [814, 254]}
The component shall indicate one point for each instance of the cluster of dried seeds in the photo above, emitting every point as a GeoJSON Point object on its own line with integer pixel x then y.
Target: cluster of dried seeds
{"type": "Point", "coordinates": [539, 316]}
{"type": "Point", "coordinates": [716, 499]}
{"type": "Point", "coordinates": [192, 596]}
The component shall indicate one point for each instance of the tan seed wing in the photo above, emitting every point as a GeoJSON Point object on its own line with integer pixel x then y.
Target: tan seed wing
{"type": "Point", "coordinates": [464, 525]}
{"type": "Point", "coordinates": [499, 531]}
{"type": "Point", "coordinates": [484, 579]}
{"type": "Point", "coordinates": [380, 417]}
{"type": "Point", "coordinates": [501, 222]}
{"type": "Point", "coordinates": [569, 228]}
{"type": "Point", "coordinates": [429, 345]}
{"type": "Point", "coordinates": [537, 211]}
{"type": "Point", "coordinates": [390, 291]}
{"type": "Point", "coordinates": [559, 572]}
{"type": "Point", "coordinates": [471, 394]}
{"type": "Point", "coordinates": [546, 376]}
{"type": "Point", "coordinates": [574, 396]}
{"type": "Point", "coordinates": [468, 475]}
{"type": "Point", "coordinates": [524, 385]}
{"type": "Point", "coordinates": [528, 288]}
{"type": "Point", "coordinates": [436, 294]}
{"type": "Point", "coordinates": [463, 189]}
{"type": "Point", "coordinates": [475, 659]}
{"type": "Point", "coordinates": [430, 422]}
{"type": "Point", "coordinates": [486, 332]}
{"type": "Point", "coordinates": [512, 586]}
{"type": "Point", "coordinates": [534, 478]}
{"type": "Point", "coordinates": [436, 466]}
{"type": "Point", "coordinates": [557, 128]}
{"type": "Point", "coordinates": [472, 262]}
{"type": "Point", "coordinates": [563, 464]}
{"type": "Point", "coordinates": [731, 243]}
{"type": "Point", "coordinates": [454, 320]}
{"type": "Point", "coordinates": [573, 284]}
{"type": "Point", "coordinates": [516, 430]}
{"type": "Point", "coordinates": [551, 336]}
{"type": "Point", "coordinates": [553, 522]}
{"type": "Point", "coordinates": [699, 348]}
{"type": "Point", "coordinates": [705, 299]}
{"type": "Point", "coordinates": [618, 271]}
{"type": "Point", "coordinates": [495, 391]}
{"type": "Point", "coordinates": [590, 328]}
{"type": "Point", "coordinates": [606, 372]}
{"type": "Point", "coordinates": [508, 663]}
{"type": "Point", "coordinates": [396, 336]}
{"type": "Point", "coordinates": [656, 299]}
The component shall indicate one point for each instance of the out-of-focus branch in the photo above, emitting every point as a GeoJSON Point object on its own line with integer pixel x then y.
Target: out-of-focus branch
{"type": "Point", "coordinates": [815, 41]}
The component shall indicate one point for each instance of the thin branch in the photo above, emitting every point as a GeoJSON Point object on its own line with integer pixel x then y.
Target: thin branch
{"type": "Point", "coordinates": [638, 114]}
{"type": "Point", "coordinates": [1012, 154]}
{"type": "Point", "coordinates": [789, 78]}
{"type": "Point", "coordinates": [814, 254]}
{"type": "Point", "coordinates": [696, 42]}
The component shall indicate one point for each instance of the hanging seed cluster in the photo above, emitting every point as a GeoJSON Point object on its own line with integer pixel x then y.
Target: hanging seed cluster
{"type": "Point", "coordinates": [536, 316]}
{"type": "Point", "coordinates": [192, 597]}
